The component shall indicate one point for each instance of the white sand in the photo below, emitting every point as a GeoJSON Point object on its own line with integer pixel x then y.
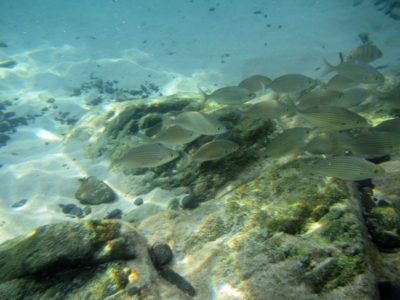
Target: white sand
{"type": "Point", "coordinates": [177, 45]}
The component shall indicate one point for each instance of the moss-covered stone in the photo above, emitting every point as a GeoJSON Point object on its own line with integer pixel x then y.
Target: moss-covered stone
{"type": "Point", "coordinates": [384, 226]}
{"type": "Point", "coordinates": [212, 228]}
{"type": "Point", "coordinates": [76, 261]}
{"type": "Point", "coordinates": [94, 191]}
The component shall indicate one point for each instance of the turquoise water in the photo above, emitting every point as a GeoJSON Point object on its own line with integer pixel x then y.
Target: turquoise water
{"type": "Point", "coordinates": [85, 84]}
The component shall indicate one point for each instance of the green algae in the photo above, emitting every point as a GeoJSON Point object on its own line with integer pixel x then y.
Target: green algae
{"type": "Point", "coordinates": [211, 229]}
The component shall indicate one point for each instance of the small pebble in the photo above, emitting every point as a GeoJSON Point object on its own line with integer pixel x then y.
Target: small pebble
{"type": "Point", "coordinates": [138, 201]}
{"type": "Point", "coordinates": [72, 209]}
{"type": "Point", "coordinates": [115, 214]}
{"type": "Point", "coordinates": [160, 254]}
{"type": "Point", "coordinates": [189, 202]}
{"type": "Point", "coordinates": [19, 203]}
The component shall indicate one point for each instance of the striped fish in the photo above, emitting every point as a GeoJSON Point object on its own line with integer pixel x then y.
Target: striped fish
{"type": "Point", "coordinates": [345, 167]}
{"type": "Point", "coordinates": [331, 117]}
{"type": "Point", "coordinates": [290, 140]}
{"type": "Point", "coordinates": [364, 54]}
{"type": "Point", "coordinates": [147, 156]}
{"type": "Point", "coordinates": [214, 150]}
{"type": "Point", "coordinates": [374, 143]}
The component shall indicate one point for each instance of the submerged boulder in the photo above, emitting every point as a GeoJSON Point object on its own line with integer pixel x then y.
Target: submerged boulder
{"type": "Point", "coordinates": [94, 191]}
{"type": "Point", "coordinates": [88, 260]}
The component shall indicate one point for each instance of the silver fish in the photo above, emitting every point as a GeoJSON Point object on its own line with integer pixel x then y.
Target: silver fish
{"type": "Point", "coordinates": [292, 83]}
{"type": "Point", "coordinates": [147, 156]}
{"type": "Point", "coordinates": [350, 98]}
{"type": "Point", "coordinates": [267, 109]}
{"type": "Point", "coordinates": [374, 143]}
{"type": "Point", "coordinates": [255, 83]}
{"type": "Point", "coordinates": [345, 167]}
{"type": "Point", "coordinates": [230, 95]}
{"type": "Point", "coordinates": [318, 97]}
{"type": "Point", "coordinates": [358, 72]}
{"type": "Point", "coordinates": [340, 83]}
{"type": "Point", "coordinates": [290, 140]}
{"type": "Point", "coordinates": [364, 54]}
{"type": "Point", "coordinates": [214, 150]}
{"type": "Point", "coordinates": [331, 117]}
{"type": "Point", "coordinates": [324, 143]}
{"type": "Point", "coordinates": [199, 122]}
{"type": "Point", "coordinates": [174, 136]}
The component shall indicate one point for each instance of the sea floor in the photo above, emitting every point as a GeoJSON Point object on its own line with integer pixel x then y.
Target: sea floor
{"type": "Point", "coordinates": [70, 57]}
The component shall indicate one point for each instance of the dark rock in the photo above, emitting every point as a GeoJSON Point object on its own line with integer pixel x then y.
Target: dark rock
{"type": "Point", "coordinates": [3, 139]}
{"type": "Point", "coordinates": [94, 191]}
{"type": "Point", "coordinates": [18, 121]}
{"type": "Point", "coordinates": [4, 126]}
{"type": "Point", "coordinates": [76, 261]}
{"type": "Point", "coordinates": [51, 100]}
{"type": "Point", "coordinates": [383, 224]}
{"type": "Point", "coordinates": [138, 201]}
{"type": "Point", "coordinates": [9, 114]}
{"type": "Point", "coordinates": [160, 254]}
{"type": "Point", "coordinates": [19, 203]}
{"type": "Point", "coordinates": [8, 64]}
{"type": "Point", "coordinates": [72, 209]}
{"type": "Point", "coordinates": [177, 280]}
{"type": "Point", "coordinates": [189, 202]}
{"type": "Point", "coordinates": [3, 45]}
{"type": "Point", "coordinates": [115, 214]}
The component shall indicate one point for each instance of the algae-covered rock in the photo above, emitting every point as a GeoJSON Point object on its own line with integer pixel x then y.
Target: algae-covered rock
{"type": "Point", "coordinates": [384, 226]}
{"type": "Point", "coordinates": [94, 191]}
{"type": "Point", "coordinates": [89, 260]}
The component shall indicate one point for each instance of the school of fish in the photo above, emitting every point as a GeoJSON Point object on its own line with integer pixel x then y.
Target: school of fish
{"type": "Point", "coordinates": [334, 131]}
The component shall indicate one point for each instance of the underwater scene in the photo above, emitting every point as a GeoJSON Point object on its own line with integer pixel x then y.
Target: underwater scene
{"type": "Point", "coordinates": [200, 149]}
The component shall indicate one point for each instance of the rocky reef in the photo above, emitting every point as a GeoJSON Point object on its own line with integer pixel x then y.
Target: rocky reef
{"type": "Point", "coordinates": [242, 227]}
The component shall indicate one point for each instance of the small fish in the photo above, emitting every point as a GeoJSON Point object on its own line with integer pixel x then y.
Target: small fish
{"type": "Point", "coordinates": [374, 143]}
{"type": "Point", "coordinates": [214, 150]}
{"type": "Point", "coordinates": [289, 141]}
{"type": "Point", "coordinates": [364, 54]}
{"type": "Point", "coordinates": [324, 143]}
{"type": "Point", "coordinates": [340, 83]}
{"type": "Point", "coordinates": [318, 97]}
{"type": "Point", "coordinates": [174, 136]}
{"type": "Point", "coordinates": [292, 83]}
{"type": "Point", "coordinates": [392, 125]}
{"type": "Point", "coordinates": [199, 122]}
{"type": "Point", "coordinates": [358, 72]}
{"type": "Point", "coordinates": [230, 95]}
{"type": "Point", "coordinates": [331, 117]}
{"type": "Point", "coordinates": [351, 97]}
{"type": "Point", "coordinates": [267, 109]}
{"type": "Point", "coordinates": [147, 156]}
{"type": "Point", "coordinates": [255, 83]}
{"type": "Point", "coordinates": [390, 97]}
{"type": "Point", "coordinates": [345, 167]}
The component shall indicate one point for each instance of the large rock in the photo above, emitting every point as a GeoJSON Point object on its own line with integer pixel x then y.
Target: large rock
{"type": "Point", "coordinates": [89, 260]}
{"type": "Point", "coordinates": [94, 191]}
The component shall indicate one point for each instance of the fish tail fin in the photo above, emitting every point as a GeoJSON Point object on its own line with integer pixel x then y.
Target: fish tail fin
{"type": "Point", "coordinates": [329, 67]}
{"type": "Point", "coordinates": [204, 95]}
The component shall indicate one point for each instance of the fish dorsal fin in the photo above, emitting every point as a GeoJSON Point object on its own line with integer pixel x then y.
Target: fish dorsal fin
{"type": "Point", "coordinates": [341, 57]}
